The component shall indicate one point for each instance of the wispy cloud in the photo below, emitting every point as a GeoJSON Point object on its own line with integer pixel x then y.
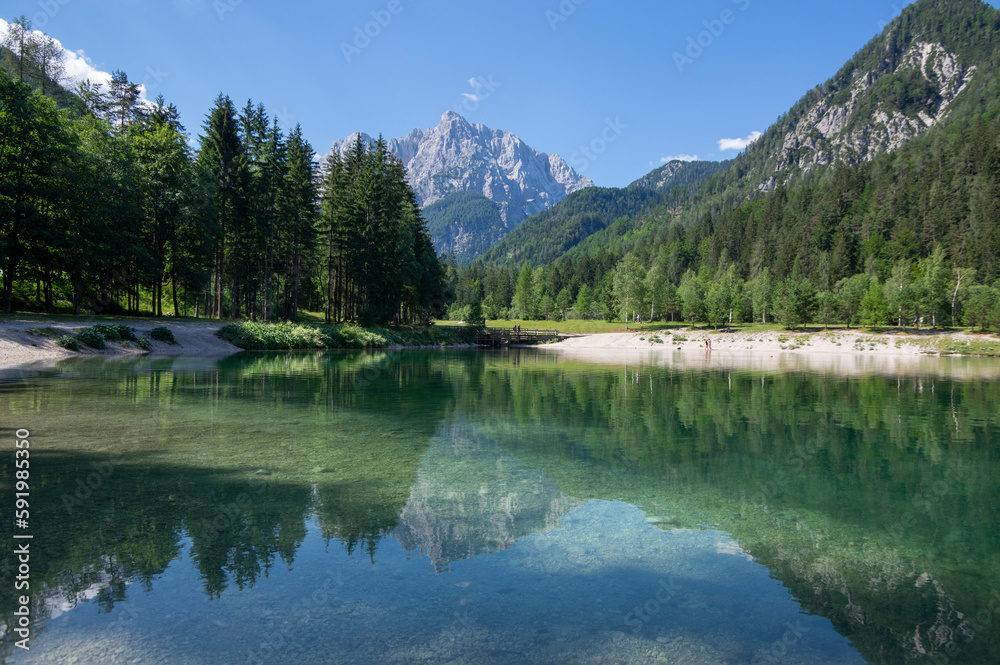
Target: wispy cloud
{"type": "Point", "coordinates": [476, 86]}
{"type": "Point", "coordinates": [738, 144]}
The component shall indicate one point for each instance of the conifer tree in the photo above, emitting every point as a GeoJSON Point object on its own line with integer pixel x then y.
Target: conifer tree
{"type": "Point", "coordinates": [21, 42]}
{"type": "Point", "coordinates": [297, 218]}
{"type": "Point", "coordinates": [34, 155]}
{"type": "Point", "coordinates": [123, 105]}
{"type": "Point", "coordinates": [223, 155]}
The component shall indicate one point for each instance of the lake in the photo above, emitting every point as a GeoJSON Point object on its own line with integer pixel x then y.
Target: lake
{"type": "Point", "coordinates": [516, 506]}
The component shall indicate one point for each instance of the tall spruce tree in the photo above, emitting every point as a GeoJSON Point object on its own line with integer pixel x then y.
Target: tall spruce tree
{"type": "Point", "coordinates": [35, 151]}
{"type": "Point", "coordinates": [298, 214]}
{"type": "Point", "coordinates": [223, 155]}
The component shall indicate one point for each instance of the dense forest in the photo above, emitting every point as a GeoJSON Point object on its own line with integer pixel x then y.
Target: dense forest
{"type": "Point", "coordinates": [915, 233]}
{"type": "Point", "coordinates": [909, 233]}
{"type": "Point", "coordinates": [106, 207]}
{"type": "Point", "coordinates": [466, 223]}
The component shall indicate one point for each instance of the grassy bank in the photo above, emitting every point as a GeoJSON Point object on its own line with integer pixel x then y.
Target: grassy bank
{"type": "Point", "coordinates": [255, 336]}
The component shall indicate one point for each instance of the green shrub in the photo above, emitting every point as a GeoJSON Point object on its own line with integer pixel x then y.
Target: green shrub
{"type": "Point", "coordinates": [109, 333]}
{"type": "Point", "coordinates": [69, 342]}
{"type": "Point", "coordinates": [256, 336]}
{"type": "Point", "coordinates": [359, 338]}
{"type": "Point", "coordinates": [331, 337]}
{"type": "Point", "coordinates": [91, 338]}
{"type": "Point", "coordinates": [144, 343]}
{"type": "Point", "coordinates": [125, 332]}
{"type": "Point", "coordinates": [162, 334]}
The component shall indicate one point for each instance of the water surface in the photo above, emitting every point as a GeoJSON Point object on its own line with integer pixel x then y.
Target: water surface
{"type": "Point", "coordinates": [507, 507]}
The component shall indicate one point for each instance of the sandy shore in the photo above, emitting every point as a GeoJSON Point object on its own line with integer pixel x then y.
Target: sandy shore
{"type": "Point", "coordinates": [841, 341]}
{"type": "Point", "coordinates": [842, 352]}
{"type": "Point", "coordinates": [847, 351]}
{"type": "Point", "coordinates": [18, 346]}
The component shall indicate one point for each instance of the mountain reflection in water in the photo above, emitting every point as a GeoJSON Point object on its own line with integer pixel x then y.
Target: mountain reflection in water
{"type": "Point", "coordinates": [261, 480]}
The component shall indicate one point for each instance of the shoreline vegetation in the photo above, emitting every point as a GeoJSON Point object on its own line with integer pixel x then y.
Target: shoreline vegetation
{"type": "Point", "coordinates": [26, 338]}
{"type": "Point", "coordinates": [286, 336]}
{"type": "Point", "coordinates": [29, 338]}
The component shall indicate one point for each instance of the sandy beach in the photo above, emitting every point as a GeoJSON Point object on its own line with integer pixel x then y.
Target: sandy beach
{"type": "Point", "coordinates": [839, 341]}
{"type": "Point", "coordinates": [19, 346]}
{"type": "Point", "coordinates": [846, 349]}
{"type": "Point", "coordinates": [841, 352]}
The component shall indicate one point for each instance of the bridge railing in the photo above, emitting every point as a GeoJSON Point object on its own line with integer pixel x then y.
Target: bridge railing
{"type": "Point", "coordinates": [531, 332]}
{"type": "Point", "coordinates": [503, 336]}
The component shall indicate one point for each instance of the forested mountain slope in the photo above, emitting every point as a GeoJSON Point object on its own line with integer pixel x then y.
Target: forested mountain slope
{"type": "Point", "coordinates": [466, 223]}
{"type": "Point", "coordinates": [934, 65]}
{"type": "Point", "coordinates": [889, 172]}
{"type": "Point", "coordinates": [458, 157]}
{"type": "Point", "coordinates": [548, 235]}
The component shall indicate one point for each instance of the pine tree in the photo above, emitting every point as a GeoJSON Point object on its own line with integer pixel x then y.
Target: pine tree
{"type": "Point", "coordinates": [163, 159]}
{"type": "Point", "coordinates": [223, 155]}
{"type": "Point", "coordinates": [297, 218]}
{"type": "Point", "coordinates": [51, 64]}
{"type": "Point", "coordinates": [35, 148]}
{"type": "Point", "coordinates": [22, 43]}
{"type": "Point", "coordinates": [123, 105]}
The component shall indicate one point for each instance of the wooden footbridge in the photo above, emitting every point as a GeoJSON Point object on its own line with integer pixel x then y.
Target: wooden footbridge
{"type": "Point", "coordinates": [509, 336]}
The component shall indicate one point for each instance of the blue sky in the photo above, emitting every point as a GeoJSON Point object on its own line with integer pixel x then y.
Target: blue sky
{"type": "Point", "coordinates": [613, 87]}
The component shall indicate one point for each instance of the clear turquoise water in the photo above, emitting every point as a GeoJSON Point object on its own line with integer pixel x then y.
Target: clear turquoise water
{"type": "Point", "coordinates": [508, 507]}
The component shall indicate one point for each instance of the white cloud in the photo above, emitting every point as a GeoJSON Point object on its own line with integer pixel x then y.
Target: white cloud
{"type": "Point", "coordinates": [78, 66]}
{"type": "Point", "coordinates": [471, 97]}
{"type": "Point", "coordinates": [738, 144]}
{"type": "Point", "coordinates": [678, 158]}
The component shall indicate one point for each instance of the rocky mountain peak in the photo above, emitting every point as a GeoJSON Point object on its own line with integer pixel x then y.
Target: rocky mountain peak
{"type": "Point", "coordinates": [459, 156]}
{"type": "Point", "coordinates": [925, 64]}
{"type": "Point", "coordinates": [855, 129]}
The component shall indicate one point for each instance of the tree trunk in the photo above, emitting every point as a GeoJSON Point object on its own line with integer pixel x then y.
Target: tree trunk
{"type": "Point", "coordinates": [173, 287]}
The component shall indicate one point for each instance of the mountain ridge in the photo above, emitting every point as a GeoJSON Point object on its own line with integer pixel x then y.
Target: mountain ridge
{"type": "Point", "coordinates": [459, 156]}
{"type": "Point", "coordinates": [929, 67]}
